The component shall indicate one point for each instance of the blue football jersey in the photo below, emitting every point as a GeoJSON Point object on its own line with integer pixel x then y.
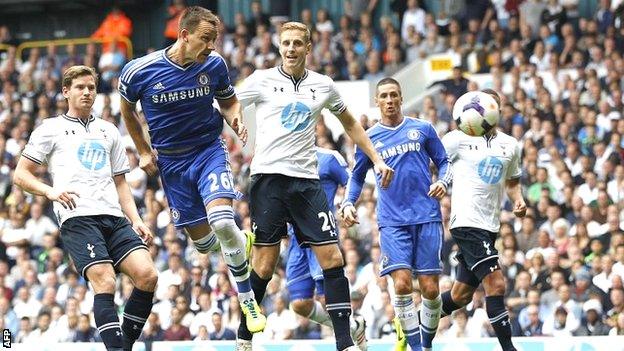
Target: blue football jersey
{"type": "Point", "coordinates": [177, 101]}
{"type": "Point", "coordinates": [408, 149]}
{"type": "Point", "coordinates": [333, 172]}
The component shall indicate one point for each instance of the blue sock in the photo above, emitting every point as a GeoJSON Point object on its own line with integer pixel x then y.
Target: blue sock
{"type": "Point", "coordinates": [413, 339]}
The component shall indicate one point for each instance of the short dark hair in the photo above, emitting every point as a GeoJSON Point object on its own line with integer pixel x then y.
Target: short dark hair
{"type": "Point", "coordinates": [388, 80]}
{"type": "Point", "coordinates": [193, 15]}
{"type": "Point", "coordinates": [494, 94]}
{"type": "Point", "coordinates": [74, 72]}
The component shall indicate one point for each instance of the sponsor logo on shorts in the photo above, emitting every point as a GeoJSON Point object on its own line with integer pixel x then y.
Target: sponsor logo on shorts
{"type": "Point", "coordinates": [486, 245]}
{"type": "Point", "coordinates": [175, 215]}
{"type": "Point", "coordinates": [90, 248]}
{"type": "Point", "coordinates": [383, 262]}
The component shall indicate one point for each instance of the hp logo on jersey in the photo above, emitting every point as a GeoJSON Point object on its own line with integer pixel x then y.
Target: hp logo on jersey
{"type": "Point", "coordinates": [296, 117]}
{"type": "Point", "coordinates": [92, 155]}
{"type": "Point", "coordinates": [490, 170]}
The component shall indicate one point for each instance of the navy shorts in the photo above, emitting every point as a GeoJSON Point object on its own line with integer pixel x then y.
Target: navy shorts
{"type": "Point", "coordinates": [275, 200]}
{"type": "Point", "coordinates": [193, 179]}
{"type": "Point", "coordinates": [304, 275]}
{"type": "Point", "coordinates": [97, 239]}
{"type": "Point", "coordinates": [415, 247]}
{"type": "Point", "coordinates": [477, 255]}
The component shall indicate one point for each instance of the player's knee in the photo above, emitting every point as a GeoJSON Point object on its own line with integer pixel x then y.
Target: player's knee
{"type": "Point", "coordinates": [403, 286]}
{"type": "Point", "coordinates": [462, 297]}
{"type": "Point", "coordinates": [146, 279]}
{"type": "Point", "coordinates": [494, 286]}
{"type": "Point", "coordinates": [226, 230]}
{"type": "Point", "coordinates": [302, 307]}
{"type": "Point", "coordinates": [429, 290]}
{"type": "Point", "coordinates": [102, 278]}
{"type": "Point", "coordinates": [329, 258]}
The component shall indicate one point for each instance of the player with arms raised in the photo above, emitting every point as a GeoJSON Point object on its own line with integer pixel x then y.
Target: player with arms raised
{"type": "Point", "coordinates": [87, 161]}
{"type": "Point", "coordinates": [408, 212]}
{"type": "Point", "coordinates": [285, 185]}
{"type": "Point", "coordinates": [488, 166]}
{"type": "Point", "coordinates": [176, 87]}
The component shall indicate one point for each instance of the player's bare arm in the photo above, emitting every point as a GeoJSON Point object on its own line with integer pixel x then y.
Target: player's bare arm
{"type": "Point", "coordinates": [231, 109]}
{"type": "Point", "coordinates": [147, 157]}
{"type": "Point", "coordinates": [128, 206]}
{"type": "Point", "coordinates": [355, 131]}
{"type": "Point", "coordinates": [514, 192]}
{"type": "Point", "coordinates": [25, 178]}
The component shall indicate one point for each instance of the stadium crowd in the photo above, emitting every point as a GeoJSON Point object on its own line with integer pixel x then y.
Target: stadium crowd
{"type": "Point", "coordinates": [560, 76]}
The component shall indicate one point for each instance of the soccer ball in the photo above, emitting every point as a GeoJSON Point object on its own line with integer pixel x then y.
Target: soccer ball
{"type": "Point", "coordinates": [476, 113]}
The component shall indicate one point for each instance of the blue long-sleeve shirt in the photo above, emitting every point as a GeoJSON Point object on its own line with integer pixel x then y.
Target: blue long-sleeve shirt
{"type": "Point", "coordinates": [408, 149]}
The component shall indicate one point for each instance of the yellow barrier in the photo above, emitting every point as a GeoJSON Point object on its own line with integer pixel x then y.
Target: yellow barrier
{"type": "Point", "coordinates": [4, 47]}
{"type": "Point", "coordinates": [76, 41]}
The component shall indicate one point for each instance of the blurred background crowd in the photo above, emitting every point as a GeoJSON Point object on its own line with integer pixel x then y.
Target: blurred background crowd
{"type": "Point", "coordinates": [564, 262]}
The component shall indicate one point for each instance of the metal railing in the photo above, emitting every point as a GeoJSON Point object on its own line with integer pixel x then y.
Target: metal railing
{"type": "Point", "coordinates": [75, 41]}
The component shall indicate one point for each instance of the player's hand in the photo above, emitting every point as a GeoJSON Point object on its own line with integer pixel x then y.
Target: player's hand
{"type": "Point", "coordinates": [519, 208]}
{"type": "Point", "coordinates": [65, 198]}
{"type": "Point", "coordinates": [348, 214]}
{"type": "Point", "coordinates": [437, 190]}
{"type": "Point", "coordinates": [143, 231]}
{"type": "Point", "coordinates": [147, 162]}
{"type": "Point", "coordinates": [240, 129]}
{"type": "Point", "coordinates": [385, 172]}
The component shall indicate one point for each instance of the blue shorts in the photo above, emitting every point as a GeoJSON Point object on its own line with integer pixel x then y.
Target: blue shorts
{"type": "Point", "coordinates": [417, 247]}
{"type": "Point", "coordinates": [193, 179]}
{"type": "Point", "coordinates": [303, 272]}
{"type": "Point", "coordinates": [97, 239]}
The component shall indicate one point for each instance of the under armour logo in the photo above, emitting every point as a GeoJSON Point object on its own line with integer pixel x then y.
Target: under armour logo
{"type": "Point", "coordinates": [118, 333]}
{"type": "Point", "coordinates": [487, 247]}
{"type": "Point", "coordinates": [72, 131]}
{"type": "Point", "coordinates": [493, 268]}
{"type": "Point", "coordinates": [103, 132]}
{"type": "Point", "coordinates": [135, 327]}
{"type": "Point", "coordinates": [275, 89]}
{"type": "Point", "coordinates": [90, 248]}
{"type": "Point", "coordinates": [504, 322]}
{"type": "Point", "coordinates": [313, 96]}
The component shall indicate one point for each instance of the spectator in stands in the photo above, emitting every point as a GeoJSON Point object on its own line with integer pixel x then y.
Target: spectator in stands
{"type": "Point", "coordinates": [534, 328]}
{"type": "Point", "coordinates": [282, 322]}
{"type": "Point", "coordinates": [592, 324]}
{"type": "Point", "coordinates": [174, 12]}
{"type": "Point", "coordinates": [176, 331]}
{"type": "Point", "coordinates": [85, 332]}
{"type": "Point", "coordinates": [113, 28]}
{"type": "Point", "coordinates": [220, 331]}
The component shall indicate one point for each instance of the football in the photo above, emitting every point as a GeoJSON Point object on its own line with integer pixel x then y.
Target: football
{"type": "Point", "coordinates": [476, 113]}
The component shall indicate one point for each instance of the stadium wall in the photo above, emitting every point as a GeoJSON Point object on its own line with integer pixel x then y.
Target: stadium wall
{"type": "Point", "coordinates": [593, 343]}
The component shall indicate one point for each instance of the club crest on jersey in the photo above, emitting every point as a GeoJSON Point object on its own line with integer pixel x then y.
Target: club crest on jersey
{"type": "Point", "coordinates": [296, 117]}
{"type": "Point", "coordinates": [175, 215]}
{"type": "Point", "coordinates": [203, 79]}
{"type": "Point", "coordinates": [383, 262]}
{"type": "Point", "coordinates": [490, 170]}
{"type": "Point", "coordinates": [92, 155]}
{"type": "Point", "coordinates": [413, 134]}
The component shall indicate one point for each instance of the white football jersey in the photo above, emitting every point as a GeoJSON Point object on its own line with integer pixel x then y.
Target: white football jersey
{"type": "Point", "coordinates": [286, 114]}
{"type": "Point", "coordinates": [84, 157]}
{"type": "Point", "coordinates": [481, 166]}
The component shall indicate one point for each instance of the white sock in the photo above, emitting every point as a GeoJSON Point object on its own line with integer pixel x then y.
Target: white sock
{"type": "Point", "coordinates": [319, 315]}
{"type": "Point", "coordinates": [208, 243]}
{"type": "Point", "coordinates": [429, 319]}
